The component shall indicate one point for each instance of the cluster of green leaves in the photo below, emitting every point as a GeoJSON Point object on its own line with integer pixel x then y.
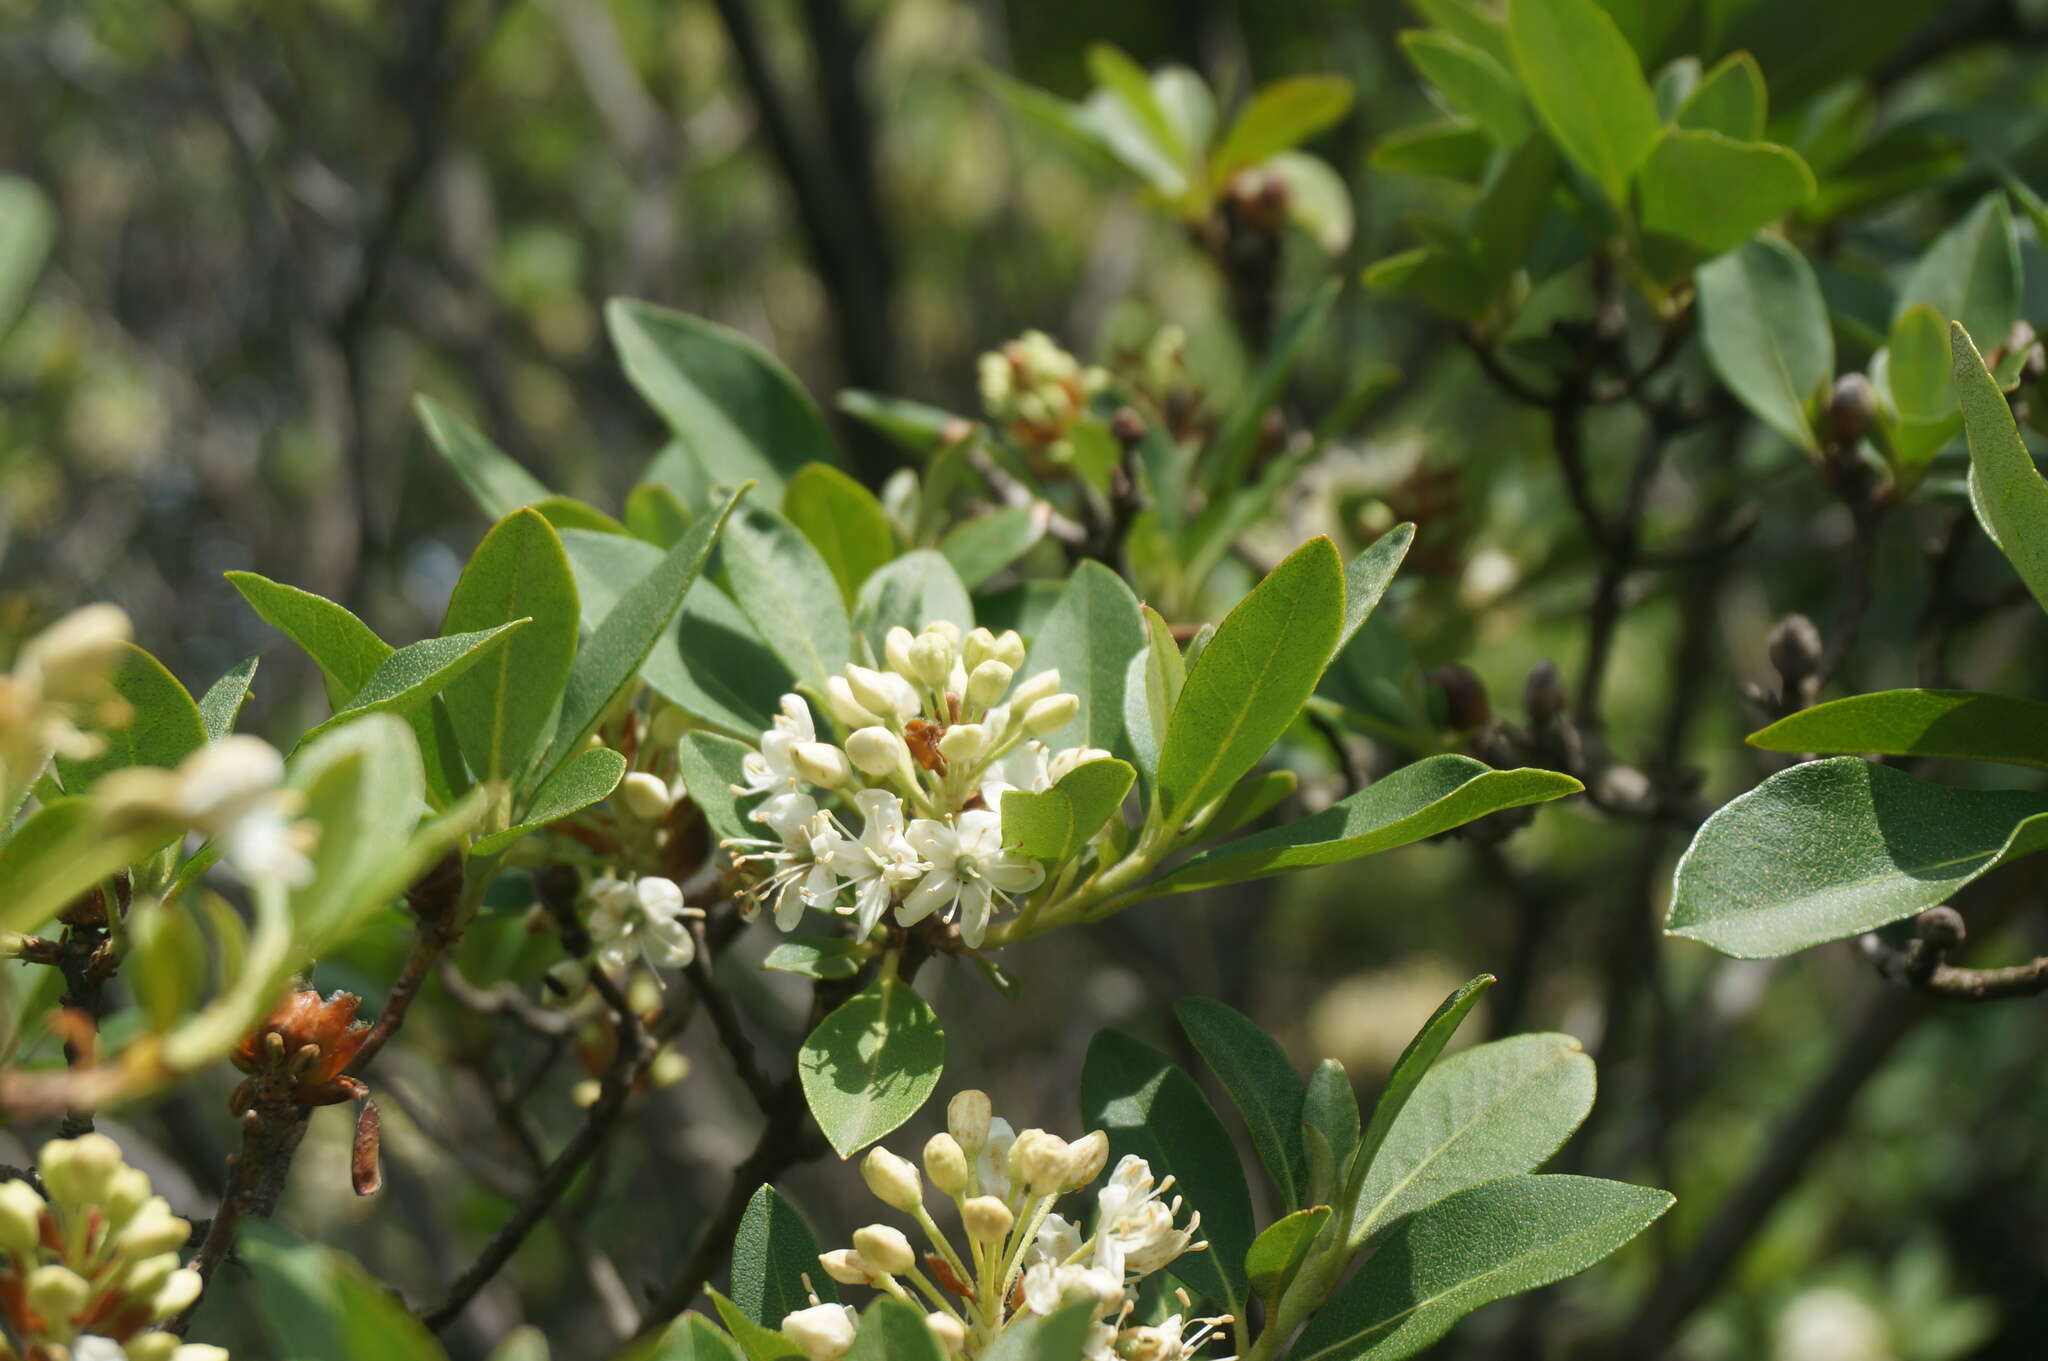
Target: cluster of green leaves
{"type": "Point", "coordinates": [1837, 847]}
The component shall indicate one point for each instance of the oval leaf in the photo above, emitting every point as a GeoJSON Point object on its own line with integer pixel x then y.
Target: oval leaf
{"type": "Point", "coordinates": [2005, 487]}
{"type": "Point", "coordinates": [164, 727]}
{"type": "Point", "coordinates": [1261, 1082]}
{"type": "Point", "coordinates": [871, 1063]}
{"type": "Point", "coordinates": [1587, 85]}
{"type": "Point", "coordinates": [501, 709]}
{"type": "Point", "coordinates": [1959, 725]}
{"type": "Point", "coordinates": [1766, 333]}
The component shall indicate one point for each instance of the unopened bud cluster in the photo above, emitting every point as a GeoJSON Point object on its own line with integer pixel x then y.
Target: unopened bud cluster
{"type": "Point", "coordinates": [1019, 1259]}
{"type": "Point", "coordinates": [1036, 391]}
{"type": "Point", "coordinates": [935, 738]}
{"type": "Point", "coordinates": [87, 1272]}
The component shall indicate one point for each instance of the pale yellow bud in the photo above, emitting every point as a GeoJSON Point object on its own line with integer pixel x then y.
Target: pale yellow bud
{"type": "Point", "coordinates": [823, 1332]}
{"type": "Point", "coordinates": [21, 1219]}
{"type": "Point", "coordinates": [76, 1171]}
{"type": "Point", "coordinates": [986, 1219]}
{"type": "Point", "coordinates": [848, 710]}
{"type": "Point", "coordinates": [57, 1293]}
{"type": "Point", "coordinates": [946, 629]}
{"type": "Point", "coordinates": [154, 1229]}
{"type": "Point", "coordinates": [967, 1118]}
{"type": "Point", "coordinates": [1009, 649]}
{"type": "Point", "coordinates": [1034, 688]}
{"type": "Point", "coordinates": [931, 659]}
{"type": "Point", "coordinates": [885, 1249]}
{"type": "Point", "coordinates": [821, 763]}
{"type": "Point", "coordinates": [896, 651]}
{"type": "Point", "coordinates": [127, 1191]}
{"type": "Point", "coordinates": [875, 750]}
{"type": "Point", "coordinates": [977, 647]}
{"type": "Point", "coordinates": [845, 1266]}
{"type": "Point", "coordinates": [1039, 1161]}
{"type": "Point", "coordinates": [949, 1332]}
{"type": "Point", "coordinates": [669, 1067]}
{"type": "Point", "coordinates": [893, 1180]}
{"type": "Point", "coordinates": [874, 692]}
{"type": "Point", "coordinates": [945, 1162]}
{"type": "Point", "coordinates": [1051, 714]}
{"type": "Point", "coordinates": [177, 1293]}
{"type": "Point", "coordinates": [988, 683]}
{"type": "Point", "coordinates": [1086, 1157]}
{"type": "Point", "coordinates": [668, 726]}
{"type": "Point", "coordinates": [645, 795]}
{"type": "Point", "coordinates": [148, 1276]}
{"type": "Point", "coordinates": [964, 742]}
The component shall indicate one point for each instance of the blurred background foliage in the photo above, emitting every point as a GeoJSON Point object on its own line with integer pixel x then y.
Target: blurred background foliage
{"type": "Point", "coordinates": [277, 224]}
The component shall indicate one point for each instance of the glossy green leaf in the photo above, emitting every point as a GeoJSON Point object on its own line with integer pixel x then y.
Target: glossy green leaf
{"type": "Point", "coordinates": [319, 1305]}
{"type": "Point", "coordinates": [1956, 725]}
{"type": "Point", "coordinates": [771, 1254]}
{"type": "Point", "coordinates": [711, 765]}
{"type": "Point", "coordinates": [1414, 1064]}
{"type": "Point", "coordinates": [1281, 115]}
{"type": "Point", "coordinates": [62, 849]}
{"type": "Point", "coordinates": [1152, 1108]}
{"type": "Point", "coordinates": [1587, 85]}
{"type": "Point", "coordinates": [1971, 274]}
{"type": "Point", "coordinates": [736, 408]}
{"type": "Point", "coordinates": [1495, 1111]}
{"type": "Point", "coordinates": [501, 709]}
{"type": "Point", "coordinates": [413, 675]}
{"type": "Point", "coordinates": [1056, 1337]}
{"type": "Point", "coordinates": [222, 703]}
{"type": "Point", "coordinates": [2006, 488]}
{"type": "Point", "coordinates": [983, 546]}
{"type": "Point", "coordinates": [164, 728]}
{"type": "Point", "coordinates": [1152, 683]}
{"type": "Point", "coordinates": [1261, 1082]}
{"type": "Point", "coordinates": [843, 521]}
{"type": "Point", "coordinates": [1277, 1253]}
{"type": "Point", "coordinates": [566, 512]}
{"type": "Point", "coordinates": [1730, 100]}
{"type": "Point", "coordinates": [917, 589]}
{"type": "Point", "coordinates": [1472, 82]}
{"type": "Point", "coordinates": [893, 1331]}
{"type": "Point", "coordinates": [1713, 192]}
{"type": "Point", "coordinates": [1252, 679]}
{"type": "Point", "coordinates": [584, 779]}
{"type": "Point", "coordinates": [1918, 368]}
{"type": "Point", "coordinates": [1367, 577]}
{"type": "Point", "coordinates": [1470, 21]}
{"type": "Point", "coordinates": [612, 656]}
{"type": "Point", "coordinates": [758, 1342]}
{"type": "Point", "coordinates": [1512, 210]}
{"type": "Point", "coordinates": [1090, 637]}
{"type": "Point", "coordinates": [1766, 333]}
{"type": "Point", "coordinates": [788, 593]}
{"type": "Point", "coordinates": [690, 1338]}
{"type": "Point", "coordinates": [1125, 83]}
{"type": "Point", "coordinates": [1837, 847]}
{"type": "Point", "coordinates": [1330, 1108]}
{"type": "Point", "coordinates": [1228, 459]}
{"type": "Point", "coordinates": [1478, 1246]}
{"type": "Point", "coordinates": [1455, 150]}
{"type": "Point", "coordinates": [341, 645]}
{"type": "Point", "coordinates": [1420, 800]}
{"type": "Point", "coordinates": [656, 515]}
{"type": "Point", "coordinates": [365, 788]}
{"type": "Point", "coordinates": [1055, 824]}
{"type": "Point", "coordinates": [870, 1064]}
{"type": "Point", "coordinates": [495, 481]}
{"type": "Point", "coordinates": [914, 426]}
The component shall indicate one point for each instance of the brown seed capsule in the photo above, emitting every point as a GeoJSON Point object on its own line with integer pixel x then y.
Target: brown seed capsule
{"type": "Point", "coordinates": [365, 1161]}
{"type": "Point", "coordinates": [307, 1042]}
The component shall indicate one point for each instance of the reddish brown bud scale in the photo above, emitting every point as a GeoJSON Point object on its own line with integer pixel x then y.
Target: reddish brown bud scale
{"type": "Point", "coordinates": [365, 1162]}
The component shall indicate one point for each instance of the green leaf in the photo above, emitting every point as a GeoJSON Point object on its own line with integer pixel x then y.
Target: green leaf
{"type": "Point", "coordinates": [28, 226]}
{"type": "Point", "coordinates": [737, 410]}
{"type": "Point", "coordinates": [788, 593]}
{"type": "Point", "coordinates": [1713, 192]}
{"type": "Point", "coordinates": [870, 1064]}
{"type": "Point", "coordinates": [495, 481]}
{"type": "Point", "coordinates": [222, 703]}
{"type": "Point", "coordinates": [1152, 683]}
{"type": "Point", "coordinates": [1956, 725]}
{"type": "Point", "coordinates": [1766, 333]}
{"type": "Point", "coordinates": [981, 547]}
{"type": "Point", "coordinates": [1057, 1337]}
{"type": "Point", "coordinates": [893, 1331]}
{"type": "Point", "coordinates": [1512, 210]}
{"type": "Point", "coordinates": [341, 645]}
{"type": "Point", "coordinates": [2006, 488]}
{"type": "Point", "coordinates": [1469, 21]}
{"type": "Point", "coordinates": [843, 521]}
{"type": "Point", "coordinates": [1124, 82]}
{"type": "Point", "coordinates": [1971, 274]}
{"type": "Point", "coordinates": [501, 710]}
{"type": "Point", "coordinates": [1367, 577]}
{"type": "Point", "coordinates": [1150, 1107]}
{"type": "Point", "coordinates": [917, 589]}
{"type": "Point", "coordinates": [1455, 150]}
{"type": "Point", "coordinates": [614, 653]}
{"type": "Point", "coordinates": [1251, 681]}
{"type": "Point", "coordinates": [1090, 637]}
{"type": "Point", "coordinates": [690, 1338]}
{"type": "Point", "coordinates": [165, 728]}
{"type": "Point", "coordinates": [1495, 1111]}
{"type": "Point", "coordinates": [1837, 847]}
{"type": "Point", "coordinates": [1318, 199]}
{"type": "Point", "coordinates": [1587, 85]}
{"type": "Point", "coordinates": [59, 851]}
{"type": "Point", "coordinates": [319, 1305]}
{"type": "Point", "coordinates": [656, 515]}
{"type": "Point", "coordinates": [1450, 282]}
{"type": "Point", "coordinates": [771, 1254]}
{"type": "Point", "coordinates": [1918, 369]}
{"type": "Point", "coordinates": [1409, 1070]}
{"type": "Point", "coordinates": [1055, 824]}
{"type": "Point", "coordinates": [584, 779]}
{"type": "Point", "coordinates": [1250, 799]}
{"type": "Point", "coordinates": [816, 957]}
{"type": "Point", "coordinates": [758, 1342]}
{"type": "Point", "coordinates": [914, 426]}
{"type": "Point", "coordinates": [1277, 1253]}
{"type": "Point", "coordinates": [1472, 82]}
{"type": "Point", "coordinates": [1281, 116]}
{"type": "Point", "coordinates": [566, 512]}
{"type": "Point", "coordinates": [365, 788]}
{"type": "Point", "coordinates": [1261, 1082]}
{"type": "Point", "coordinates": [1730, 100]}
{"type": "Point", "coordinates": [710, 766]}
{"type": "Point", "coordinates": [419, 671]}
{"type": "Point", "coordinates": [1330, 1108]}
{"type": "Point", "coordinates": [1478, 1246]}
{"type": "Point", "coordinates": [1420, 800]}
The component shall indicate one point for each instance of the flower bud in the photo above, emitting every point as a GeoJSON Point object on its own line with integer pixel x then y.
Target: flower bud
{"type": "Point", "coordinates": [893, 1180]}
{"type": "Point", "coordinates": [986, 1219]}
{"type": "Point", "coordinates": [977, 647]}
{"type": "Point", "coordinates": [875, 750]}
{"type": "Point", "coordinates": [1009, 649]}
{"type": "Point", "coordinates": [964, 742]}
{"type": "Point", "coordinates": [823, 1332]}
{"type": "Point", "coordinates": [153, 1230]}
{"type": "Point", "coordinates": [21, 1220]}
{"type": "Point", "coordinates": [848, 710]}
{"type": "Point", "coordinates": [821, 764]}
{"type": "Point", "coordinates": [57, 1293]}
{"type": "Point", "coordinates": [946, 629]}
{"type": "Point", "coordinates": [931, 659]}
{"type": "Point", "coordinates": [896, 651]}
{"type": "Point", "coordinates": [949, 1332]}
{"type": "Point", "coordinates": [1051, 713]}
{"type": "Point", "coordinates": [168, 1347]}
{"type": "Point", "coordinates": [885, 1249]}
{"type": "Point", "coordinates": [1795, 648]}
{"type": "Point", "coordinates": [987, 684]}
{"type": "Point", "coordinates": [845, 1266]}
{"type": "Point", "coordinates": [967, 1118]}
{"type": "Point", "coordinates": [1042, 1161]}
{"type": "Point", "coordinates": [76, 1171]}
{"type": "Point", "coordinates": [1035, 688]}
{"type": "Point", "coordinates": [881, 695]}
{"type": "Point", "coordinates": [668, 726]}
{"type": "Point", "coordinates": [670, 1066]}
{"type": "Point", "coordinates": [177, 1293]}
{"type": "Point", "coordinates": [945, 1162]}
{"type": "Point", "coordinates": [150, 1274]}
{"type": "Point", "coordinates": [1086, 1157]}
{"type": "Point", "coordinates": [127, 1191]}
{"type": "Point", "coordinates": [646, 796]}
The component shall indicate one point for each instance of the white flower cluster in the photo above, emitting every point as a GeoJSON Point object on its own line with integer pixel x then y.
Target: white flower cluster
{"type": "Point", "coordinates": [1021, 1259]}
{"type": "Point", "coordinates": [59, 682]}
{"type": "Point", "coordinates": [1036, 391]}
{"type": "Point", "coordinates": [935, 741]}
{"type": "Point", "coordinates": [643, 919]}
{"type": "Point", "coordinates": [231, 792]}
{"type": "Point", "coordinates": [85, 1272]}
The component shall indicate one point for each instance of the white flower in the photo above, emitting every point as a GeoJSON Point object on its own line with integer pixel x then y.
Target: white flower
{"type": "Point", "coordinates": [230, 791]}
{"type": "Point", "coordinates": [643, 918]}
{"type": "Point", "coordinates": [774, 765]}
{"type": "Point", "coordinates": [1060, 765]}
{"type": "Point", "coordinates": [1047, 1287]}
{"type": "Point", "coordinates": [823, 1332]}
{"type": "Point", "coordinates": [992, 1163]}
{"type": "Point", "coordinates": [1134, 1229]}
{"type": "Point", "coordinates": [879, 861]}
{"type": "Point", "coordinates": [970, 871]}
